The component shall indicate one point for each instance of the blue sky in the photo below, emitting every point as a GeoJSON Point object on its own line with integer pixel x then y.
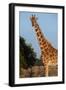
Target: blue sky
{"type": "Point", "coordinates": [48, 23]}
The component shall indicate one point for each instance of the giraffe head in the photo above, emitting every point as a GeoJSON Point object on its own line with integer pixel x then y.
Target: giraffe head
{"type": "Point", "coordinates": [33, 19]}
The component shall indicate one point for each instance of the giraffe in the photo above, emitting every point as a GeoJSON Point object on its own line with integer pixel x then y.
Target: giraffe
{"type": "Point", "coordinates": [49, 54]}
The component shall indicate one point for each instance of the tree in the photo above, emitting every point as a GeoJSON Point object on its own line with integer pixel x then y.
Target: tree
{"type": "Point", "coordinates": [27, 54]}
{"type": "Point", "coordinates": [38, 62]}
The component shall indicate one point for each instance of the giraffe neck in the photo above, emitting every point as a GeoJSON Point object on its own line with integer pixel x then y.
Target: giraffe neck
{"type": "Point", "coordinates": [41, 39]}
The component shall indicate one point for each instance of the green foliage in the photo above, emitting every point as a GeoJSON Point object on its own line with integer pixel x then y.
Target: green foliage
{"type": "Point", "coordinates": [38, 62]}
{"type": "Point", "coordinates": [22, 61]}
{"type": "Point", "coordinates": [27, 54]}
